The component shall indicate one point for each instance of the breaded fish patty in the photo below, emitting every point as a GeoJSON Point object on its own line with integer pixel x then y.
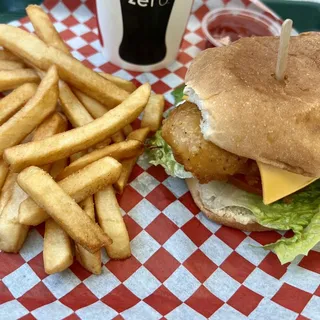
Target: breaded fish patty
{"type": "Point", "coordinates": [206, 161]}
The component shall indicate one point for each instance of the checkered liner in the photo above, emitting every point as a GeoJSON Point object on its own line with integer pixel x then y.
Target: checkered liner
{"type": "Point", "coordinates": [183, 266]}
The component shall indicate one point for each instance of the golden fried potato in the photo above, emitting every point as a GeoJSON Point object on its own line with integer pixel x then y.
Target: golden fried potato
{"type": "Point", "coordinates": [202, 158]}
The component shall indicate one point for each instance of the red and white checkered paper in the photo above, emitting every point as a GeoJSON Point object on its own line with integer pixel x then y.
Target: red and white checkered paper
{"type": "Point", "coordinates": [183, 266]}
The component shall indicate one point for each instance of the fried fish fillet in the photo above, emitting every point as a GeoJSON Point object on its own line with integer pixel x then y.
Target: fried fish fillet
{"type": "Point", "coordinates": [202, 158]}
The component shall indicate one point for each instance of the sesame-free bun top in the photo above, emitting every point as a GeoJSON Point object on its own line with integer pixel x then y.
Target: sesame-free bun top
{"type": "Point", "coordinates": [246, 111]}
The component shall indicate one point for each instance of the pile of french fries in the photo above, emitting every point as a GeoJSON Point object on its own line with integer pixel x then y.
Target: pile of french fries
{"type": "Point", "coordinates": [66, 146]}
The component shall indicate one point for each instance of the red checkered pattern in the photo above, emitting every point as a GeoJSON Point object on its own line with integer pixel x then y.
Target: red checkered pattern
{"type": "Point", "coordinates": [183, 266]}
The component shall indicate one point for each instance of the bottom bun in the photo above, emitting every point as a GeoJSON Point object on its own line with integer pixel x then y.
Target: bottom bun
{"type": "Point", "coordinates": [222, 219]}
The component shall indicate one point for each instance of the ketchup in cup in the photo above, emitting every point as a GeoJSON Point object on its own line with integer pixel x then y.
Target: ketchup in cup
{"type": "Point", "coordinates": [223, 26]}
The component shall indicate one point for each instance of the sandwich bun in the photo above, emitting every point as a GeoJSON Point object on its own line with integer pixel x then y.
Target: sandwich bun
{"type": "Point", "coordinates": [226, 216]}
{"type": "Point", "coordinates": [249, 113]}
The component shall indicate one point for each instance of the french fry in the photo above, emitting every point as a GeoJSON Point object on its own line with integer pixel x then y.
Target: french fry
{"type": "Point", "coordinates": [94, 107]}
{"type": "Point", "coordinates": [78, 186]}
{"type": "Point", "coordinates": [121, 83]}
{"type": "Point", "coordinates": [111, 221]}
{"type": "Point", "coordinates": [87, 206]}
{"type": "Point", "coordinates": [64, 144]}
{"type": "Point", "coordinates": [90, 261]}
{"type": "Point", "coordinates": [11, 65]}
{"type": "Point", "coordinates": [36, 52]}
{"type": "Point", "coordinates": [44, 28]}
{"type": "Point", "coordinates": [139, 135]}
{"type": "Point", "coordinates": [4, 169]}
{"type": "Point", "coordinates": [6, 192]}
{"type": "Point", "coordinates": [77, 156]}
{"type": "Point", "coordinates": [72, 107]}
{"type": "Point", "coordinates": [50, 196]}
{"type": "Point", "coordinates": [91, 178]}
{"type": "Point", "coordinates": [118, 151]}
{"type": "Point", "coordinates": [11, 79]}
{"type": "Point", "coordinates": [76, 110]}
{"type": "Point", "coordinates": [152, 115]}
{"type": "Point", "coordinates": [118, 137]}
{"type": "Point", "coordinates": [97, 110]}
{"type": "Point", "coordinates": [11, 103]}
{"type": "Point", "coordinates": [128, 164]}
{"type": "Point", "coordinates": [33, 113]}
{"type": "Point", "coordinates": [7, 55]}
{"type": "Point", "coordinates": [57, 248]}
{"type": "Point", "coordinates": [103, 144]}
{"type": "Point", "coordinates": [50, 126]}
{"type": "Point", "coordinates": [39, 72]}
{"type": "Point", "coordinates": [31, 51]}
{"type": "Point", "coordinates": [12, 232]}
{"type": "Point", "coordinates": [127, 129]}
{"type": "Point", "coordinates": [7, 188]}
{"type": "Point", "coordinates": [57, 167]}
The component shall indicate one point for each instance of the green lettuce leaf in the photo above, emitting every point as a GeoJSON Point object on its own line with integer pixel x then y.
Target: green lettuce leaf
{"type": "Point", "coordinates": [305, 224]}
{"type": "Point", "coordinates": [300, 243]}
{"type": "Point", "coordinates": [299, 213]}
{"type": "Point", "coordinates": [160, 153]}
{"type": "Point", "coordinates": [178, 94]}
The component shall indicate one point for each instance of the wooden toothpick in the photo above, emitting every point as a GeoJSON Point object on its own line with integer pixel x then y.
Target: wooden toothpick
{"type": "Point", "coordinates": [283, 49]}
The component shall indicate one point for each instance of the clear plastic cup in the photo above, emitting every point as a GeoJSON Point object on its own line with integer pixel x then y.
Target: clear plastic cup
{"type": "Point", "coordinates": [223, 26]}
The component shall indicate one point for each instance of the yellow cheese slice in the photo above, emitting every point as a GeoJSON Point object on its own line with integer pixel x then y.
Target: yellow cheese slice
{"type": "Point", "coordinates": [278, 183]}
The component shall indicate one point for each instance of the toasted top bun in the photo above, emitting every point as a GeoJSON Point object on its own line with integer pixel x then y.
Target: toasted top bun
{"type": "Point", "coordinates": [246, 111]}
{"type": "Point", "coordinates": [226, 216]}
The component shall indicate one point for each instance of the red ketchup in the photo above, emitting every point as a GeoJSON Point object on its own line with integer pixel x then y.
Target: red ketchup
{"type": "Point", "coordinates": [227, 28]}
